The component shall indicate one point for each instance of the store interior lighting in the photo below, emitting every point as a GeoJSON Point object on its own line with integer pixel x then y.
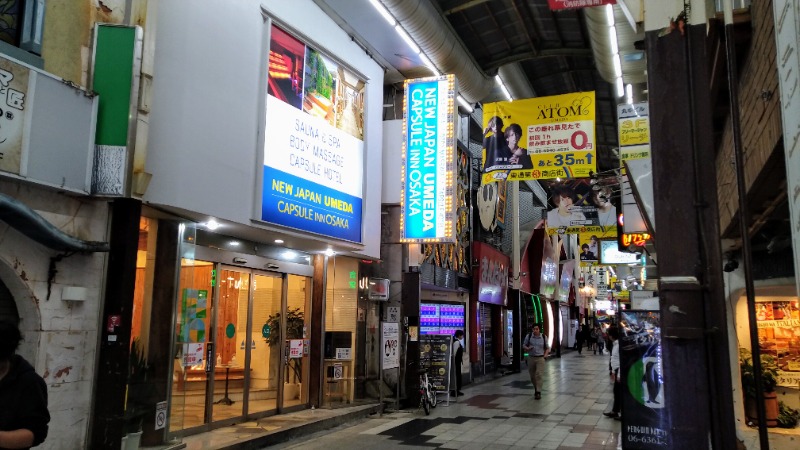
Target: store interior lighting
{"type": "Point", "coordinates": [212, 224]}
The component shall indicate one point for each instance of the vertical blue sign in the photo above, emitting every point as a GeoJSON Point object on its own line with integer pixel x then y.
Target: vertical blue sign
{"type": "Point", "coordinates": [421, 163]}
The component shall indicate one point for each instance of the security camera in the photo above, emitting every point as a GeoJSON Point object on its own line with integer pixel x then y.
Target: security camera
{"type": "Point", "coordinates": [731, 265]}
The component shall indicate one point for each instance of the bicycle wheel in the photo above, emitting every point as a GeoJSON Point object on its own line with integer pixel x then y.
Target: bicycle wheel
{"type": "Point", "coordinates": [432, 397]}
{"type": "Point", "coordinates": [424, 400]}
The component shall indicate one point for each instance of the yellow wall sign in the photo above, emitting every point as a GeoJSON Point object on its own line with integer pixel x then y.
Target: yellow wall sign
{"type": "Point", "coordinates": [540, 138]}
{"type": "Point", "coordinates": [634, 131]}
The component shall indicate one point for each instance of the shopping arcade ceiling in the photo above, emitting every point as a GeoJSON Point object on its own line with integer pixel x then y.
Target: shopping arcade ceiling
{"type": "Point", "coordinates": [539, 52]}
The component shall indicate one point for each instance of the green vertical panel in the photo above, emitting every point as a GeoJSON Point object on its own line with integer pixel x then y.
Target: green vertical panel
{"type": "Point", "coordinates": [113, 74]}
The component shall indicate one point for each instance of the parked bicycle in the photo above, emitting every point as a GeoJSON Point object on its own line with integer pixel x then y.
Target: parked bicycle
{"type": "Point", "coordinates": [427, 393]}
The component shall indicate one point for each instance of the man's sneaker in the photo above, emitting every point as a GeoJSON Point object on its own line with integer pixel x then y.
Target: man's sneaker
{"type": "Point", "coordinates": [538, 396]}
{"type": "Point", "coordinates": [611, 414]}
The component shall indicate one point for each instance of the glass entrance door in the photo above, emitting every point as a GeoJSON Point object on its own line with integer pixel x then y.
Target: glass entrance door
{"type": "Point", "coordinates": [265, 343]}
{"type": "Point", "coordinates": [227, 386]}
{"type": "Point", "coordinates": [243, 345]}
{"type": "Point", "coordinates": [296, 350]}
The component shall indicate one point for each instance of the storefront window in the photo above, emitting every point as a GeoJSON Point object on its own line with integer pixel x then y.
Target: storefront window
{"type": "Point", "coordinates": [142, 368]}
{"type": "Point", "coordinates": [341, 311]}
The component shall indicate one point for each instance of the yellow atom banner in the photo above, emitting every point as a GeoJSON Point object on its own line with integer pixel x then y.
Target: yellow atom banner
{"type": "Point", "coordinates": [540, 138]}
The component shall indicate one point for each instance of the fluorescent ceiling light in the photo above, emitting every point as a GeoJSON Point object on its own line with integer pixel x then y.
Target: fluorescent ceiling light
{"type": "Point", "coordinates": [503, 87]}
{"type": "Point", "coordinates": [329, 252]}
{"type": "Point", "coordinates": [629, 93]}
{"type": "Point", "coordinates": [463, 102]}
{"type": "Point", "coordinates": [279, 241]}
{"type": "Point", "coordinates": [212, 224]}
{"type": "Point", "coordinates": [384, 12]}
{"type": "Point", "coordinates": [427, 62]}
{"type": "Point", "coordinates": [617, 65]}
{"type": "Point", "coordinates": [612, 39]}
{"type": "Point", "coordinates": [620, 87]}
{"type": "Point", "coordinates": [234, 243]}
{"type": "Point", "coordinates": [407, 38]}
{"type": "Point", "coordinates": [610, 14]}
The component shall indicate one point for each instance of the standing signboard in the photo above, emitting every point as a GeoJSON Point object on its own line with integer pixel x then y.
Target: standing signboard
{"type": "Point", "coordinates": [435, 357]}
{"type": "Point", "coordinates": [646, 423]}
{"type": "Point", "coordinates": [391, 343]}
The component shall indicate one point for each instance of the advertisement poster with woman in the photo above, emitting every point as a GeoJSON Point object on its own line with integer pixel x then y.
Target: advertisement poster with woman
{"type": "Point", "coordinates": [540, 138]}
{"type": "Point", "coordinates": [580, 206]}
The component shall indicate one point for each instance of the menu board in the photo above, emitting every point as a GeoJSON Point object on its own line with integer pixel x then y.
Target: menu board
{"type": "Point", "coordinates": [778, 321]}
{"type": "Point", "coordinates": [439, 318]}
{"type": "Point", "coordinates": [434, 356]}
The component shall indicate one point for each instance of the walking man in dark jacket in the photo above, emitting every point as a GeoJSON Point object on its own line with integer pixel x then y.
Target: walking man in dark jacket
{"type": "Point", "coordinates": [23, 395]}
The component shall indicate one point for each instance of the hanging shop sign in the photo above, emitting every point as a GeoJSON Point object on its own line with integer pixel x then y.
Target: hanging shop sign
{"type": "Point", "coordinates": [378, 289]}
{"type": "Point", "coordinates": [427, 197]}
{"type": "Point", "coordinates": [647, 424]}
{"type": "Point", "coordinates": [558, 134]}
{"type": "Point", "coordinates": [633, 123]}
{"type": "Point", "coordinates": [491, 282]}
{"type": "Point", "coordinates": [556, 5]}
{"type": "Point", "coordinates": [567, 275]}
{"type": "Point", "coordinates": [633, 242]}
{"type": "Point", "coordinates": [313, 142]}
{"type": "Point", "coordinates": [581, 206]}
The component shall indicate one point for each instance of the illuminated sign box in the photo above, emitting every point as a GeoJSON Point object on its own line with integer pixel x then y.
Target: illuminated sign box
{"type": "Point", "coordinates": [428, 176]}
{"type": "Point", "coordinates": [313, 146]}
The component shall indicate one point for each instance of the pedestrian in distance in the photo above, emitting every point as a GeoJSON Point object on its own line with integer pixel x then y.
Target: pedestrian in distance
{"type": "Point", "coordinates": [23, 395]}
{"type": "Point", "coordinates": [601, 340]}
{"type": "Point", "coordinates": [580, 338]}
{"type": "Point", "coordinates": [616, 408]}
{"type": "Point", "coordinates": [535, 344]}
{"type": "Point", "coordinates": [458, 359]}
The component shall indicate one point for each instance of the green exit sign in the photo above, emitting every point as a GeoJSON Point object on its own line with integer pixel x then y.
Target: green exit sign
{"type": "Point", "coordinates": [352, 285]}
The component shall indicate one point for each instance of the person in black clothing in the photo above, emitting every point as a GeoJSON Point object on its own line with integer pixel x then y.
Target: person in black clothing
{"type": "Point", "coordinates": [580, 338]}
{"type": "Point", "coordinates": [458, 358]}
{"type": "Point", "coordinates": [23, 395]}
{"type": "Point", "coordinates": [495, 144]}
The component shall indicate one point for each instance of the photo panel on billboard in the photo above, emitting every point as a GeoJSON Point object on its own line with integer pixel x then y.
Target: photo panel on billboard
{"type": "Point", "coordinates": [580, 206]}
{"type": "Point", "coordinates": [313, 142]}
{"type": "Point", "coordinates": [540, 138]}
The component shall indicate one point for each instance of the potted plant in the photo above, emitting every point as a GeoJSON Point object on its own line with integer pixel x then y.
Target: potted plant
{"type": "Point", "coordinates": [769, 380]}
{"type": "Point", "coordinates": [295, 322]}
{"type": "Point", "coordinates": [136, 405]}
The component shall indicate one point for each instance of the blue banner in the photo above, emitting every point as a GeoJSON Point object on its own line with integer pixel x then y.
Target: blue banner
{"type": "Point", "coordinates": [304, 205]}
{"type": "Point", "coordinates": [422, 162]}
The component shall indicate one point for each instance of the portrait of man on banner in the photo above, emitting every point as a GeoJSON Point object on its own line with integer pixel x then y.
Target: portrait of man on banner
{"type": "Point", "coordinates": [581, 206]}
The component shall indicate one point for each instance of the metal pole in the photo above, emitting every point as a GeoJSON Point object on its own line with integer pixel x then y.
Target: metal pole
{"type": "Point", "coordinates": [380, 359]}
{"type": "Point", "coordinates": [514, 233]}
{"type": "Point", "coordinates": [744, 220]}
